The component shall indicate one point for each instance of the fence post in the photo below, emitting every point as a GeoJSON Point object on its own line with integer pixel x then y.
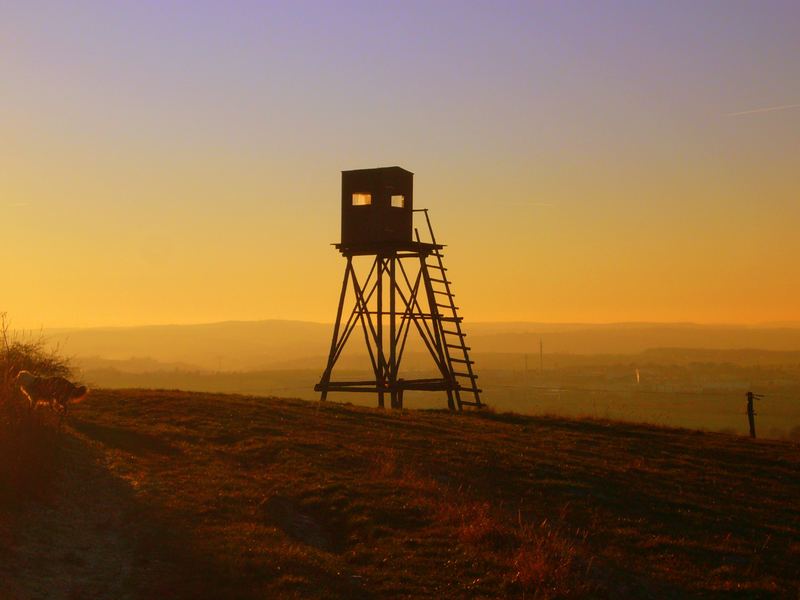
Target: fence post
{"type": "Point", "coordinates": [751, 413]}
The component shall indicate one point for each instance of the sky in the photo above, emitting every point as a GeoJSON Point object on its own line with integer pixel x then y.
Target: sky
{"type": "Point", "coordinates": [179, 162]}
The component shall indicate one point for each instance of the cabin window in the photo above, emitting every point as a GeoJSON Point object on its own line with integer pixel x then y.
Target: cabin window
{"type": "Point", "coordinates": [362, 199]}
{"type": "Point", "coordinates": [398, 201]}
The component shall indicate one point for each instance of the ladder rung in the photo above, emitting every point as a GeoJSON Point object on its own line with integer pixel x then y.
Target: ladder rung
{"type": "Point", "coordinates": [461, 360]}
{"type": "Point", "coordinates": [452, 320]}
{"type": "Point", "coordinates": [457, 374]}
{"type": "Point", "coordinates": [458, 346]}
{"type": "Point", "coordinates": [448, 332]}
{"type": "Point", "coordinates": [468, 403]}
{"type": "Point", "coordinates": [447, 306]}
{"type": "Point", "coordinates": [470, 389]}
{"type": "Point", "coordinates": [441, 268]}
{"type": "Point", "coordinates": [440, 280]}
{"type": "Point", "coordinates": [444, 293]}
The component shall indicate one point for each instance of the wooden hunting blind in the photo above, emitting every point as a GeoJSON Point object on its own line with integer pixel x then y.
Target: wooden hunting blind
{"type": "Point", "coordinates": [405, 289]}
{"type": "Point", "coordinates": [377, 206]}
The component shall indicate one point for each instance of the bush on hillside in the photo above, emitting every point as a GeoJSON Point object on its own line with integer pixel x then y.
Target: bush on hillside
{"type": "Point", "coordinates": [18, 354]}
{"type": "Point", "coordinates": [28, 448]}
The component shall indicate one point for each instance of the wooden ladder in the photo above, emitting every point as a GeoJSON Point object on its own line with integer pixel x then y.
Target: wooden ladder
{"type": "Point", "coordinates": [446, 320]}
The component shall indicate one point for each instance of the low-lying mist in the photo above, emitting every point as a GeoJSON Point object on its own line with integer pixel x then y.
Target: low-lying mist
{"type": "Point", "coordinates": [682, 375]}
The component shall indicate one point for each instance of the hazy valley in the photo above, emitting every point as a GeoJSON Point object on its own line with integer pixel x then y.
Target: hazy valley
{"type": "Point", "coordinates": [670, 374]}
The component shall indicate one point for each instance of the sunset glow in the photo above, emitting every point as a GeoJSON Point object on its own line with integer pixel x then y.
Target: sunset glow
{"type": "Point", "coordinates": [583, 162]}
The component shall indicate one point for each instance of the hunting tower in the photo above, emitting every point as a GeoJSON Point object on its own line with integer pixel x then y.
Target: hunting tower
{"type": "Point", "coordinates": [406, 286]}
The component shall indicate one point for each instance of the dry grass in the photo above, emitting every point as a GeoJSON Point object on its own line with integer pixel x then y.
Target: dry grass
{"type": "Point", "coordinates": [171, 494]}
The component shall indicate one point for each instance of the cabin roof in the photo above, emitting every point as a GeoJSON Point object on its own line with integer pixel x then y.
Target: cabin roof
{"type": "Point", "coordinates": [387, 169]}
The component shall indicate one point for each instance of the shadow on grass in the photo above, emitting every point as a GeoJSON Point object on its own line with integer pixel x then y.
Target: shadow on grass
{"type": "Point", "coordinates": [96, 537]}
{"type": "Point", "coordinates": [30, 455]}
{"type": "Point", "coordinates": [93, 538]}
{"type": "Point", "coordinates": [504, 417]}
{"type": "Point", "coordinates": [126, 440]}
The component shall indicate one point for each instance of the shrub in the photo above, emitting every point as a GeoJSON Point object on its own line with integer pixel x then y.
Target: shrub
{"type": "Point", "coordinates": [18, 354]}
{"type": "Point", "coordinates": [27, 448]}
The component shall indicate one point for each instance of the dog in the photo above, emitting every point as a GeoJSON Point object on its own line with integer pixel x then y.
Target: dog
{"type": "Point", "coordinates": [56, 392]}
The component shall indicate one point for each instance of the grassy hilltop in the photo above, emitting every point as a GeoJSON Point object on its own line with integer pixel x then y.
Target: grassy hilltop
{"type": "Point", "coordinates": [186, 495]}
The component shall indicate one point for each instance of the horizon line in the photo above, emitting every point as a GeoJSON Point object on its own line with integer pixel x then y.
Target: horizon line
{"type": "Point", "coordinates": [766, 324]}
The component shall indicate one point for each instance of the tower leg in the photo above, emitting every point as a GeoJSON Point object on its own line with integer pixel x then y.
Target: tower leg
{"type": "Point", "coordinates": [412, 303]}
{"type": "Point", "coordinates": [381, 378]}
{"type": "Point", "coordinates": [396, 403]}
{"type": "Point", "coordinates": [438, 334]}
{"type": "Point", "coordinates": [450, 403]}
{"type": "Point", "coordinates": [326, 375]}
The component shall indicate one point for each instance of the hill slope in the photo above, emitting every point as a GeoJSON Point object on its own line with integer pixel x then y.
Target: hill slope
{"type": "Point", "coordinates": [171, 494]}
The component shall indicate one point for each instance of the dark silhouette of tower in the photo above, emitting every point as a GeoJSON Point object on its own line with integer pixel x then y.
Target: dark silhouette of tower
{"type": "Point", "coordinates": [405, 287]}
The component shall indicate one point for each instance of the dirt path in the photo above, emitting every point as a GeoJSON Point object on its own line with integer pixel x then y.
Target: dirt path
{"type": "Point", "coordinates": [82, 541]}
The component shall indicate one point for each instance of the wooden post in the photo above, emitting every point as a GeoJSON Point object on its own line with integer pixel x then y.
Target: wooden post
{"type": "Point", "coordinates": [541, 357]}
{"type": "Point", "coordinates": [751, 413]}
{"type": "Point", "coordinates": [396, 400]}
{"type": "Point", "coordinates": [381, 371]}
{"type": "Point", "coordinates": [326, 376]}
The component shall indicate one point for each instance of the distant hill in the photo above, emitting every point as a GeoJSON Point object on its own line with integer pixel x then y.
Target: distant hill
{"type": "Point", "coordinates": [231, 345]}
{"type": "Point", "coordinates": [254, 345]}
{"type": "Point", "coordinates": [628, 338]}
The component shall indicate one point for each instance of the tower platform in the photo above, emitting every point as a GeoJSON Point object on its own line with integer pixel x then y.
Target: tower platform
{"type": "Point", "coordinates": [410, 248]}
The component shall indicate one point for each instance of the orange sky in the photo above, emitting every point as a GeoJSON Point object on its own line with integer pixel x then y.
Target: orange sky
{"type": "Point", "coordinates": [583, 163]}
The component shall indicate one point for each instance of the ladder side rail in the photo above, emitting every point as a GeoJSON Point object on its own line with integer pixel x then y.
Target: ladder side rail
{"type": "Point", "coordinates": [452, 306]}
{"type": "Point", "coordinates": [447, 364]}
{"type": "Point", "coordinates": [430, 228]}
{"type": "Point", "coordinates": [436, 321]}
{"type": "Point", "coordinates": [470, 371]}
{"type": "Point", "coordinates": [468, 363]}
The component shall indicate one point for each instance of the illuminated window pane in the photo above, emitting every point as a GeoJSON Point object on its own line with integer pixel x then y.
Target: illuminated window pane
{"type": "Point", "coordinates": [362, 199]}
{"type": "Point", "coordinates": [398, 201]}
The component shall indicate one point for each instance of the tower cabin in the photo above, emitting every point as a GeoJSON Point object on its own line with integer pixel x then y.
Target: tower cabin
{"type": "Point", "coordinates": [377, 210]}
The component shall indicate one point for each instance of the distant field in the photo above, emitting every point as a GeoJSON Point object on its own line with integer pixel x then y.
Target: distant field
{"type": "Point", "coordinates": [701, 396]}
{"type": "Point", "coordinates": [188, 495]}
{"type": "Point", "coordinates": [674, 360]}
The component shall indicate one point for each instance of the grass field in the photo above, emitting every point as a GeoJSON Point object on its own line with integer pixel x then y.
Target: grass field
{"type": "Point", "coordinates": [161, 494]}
